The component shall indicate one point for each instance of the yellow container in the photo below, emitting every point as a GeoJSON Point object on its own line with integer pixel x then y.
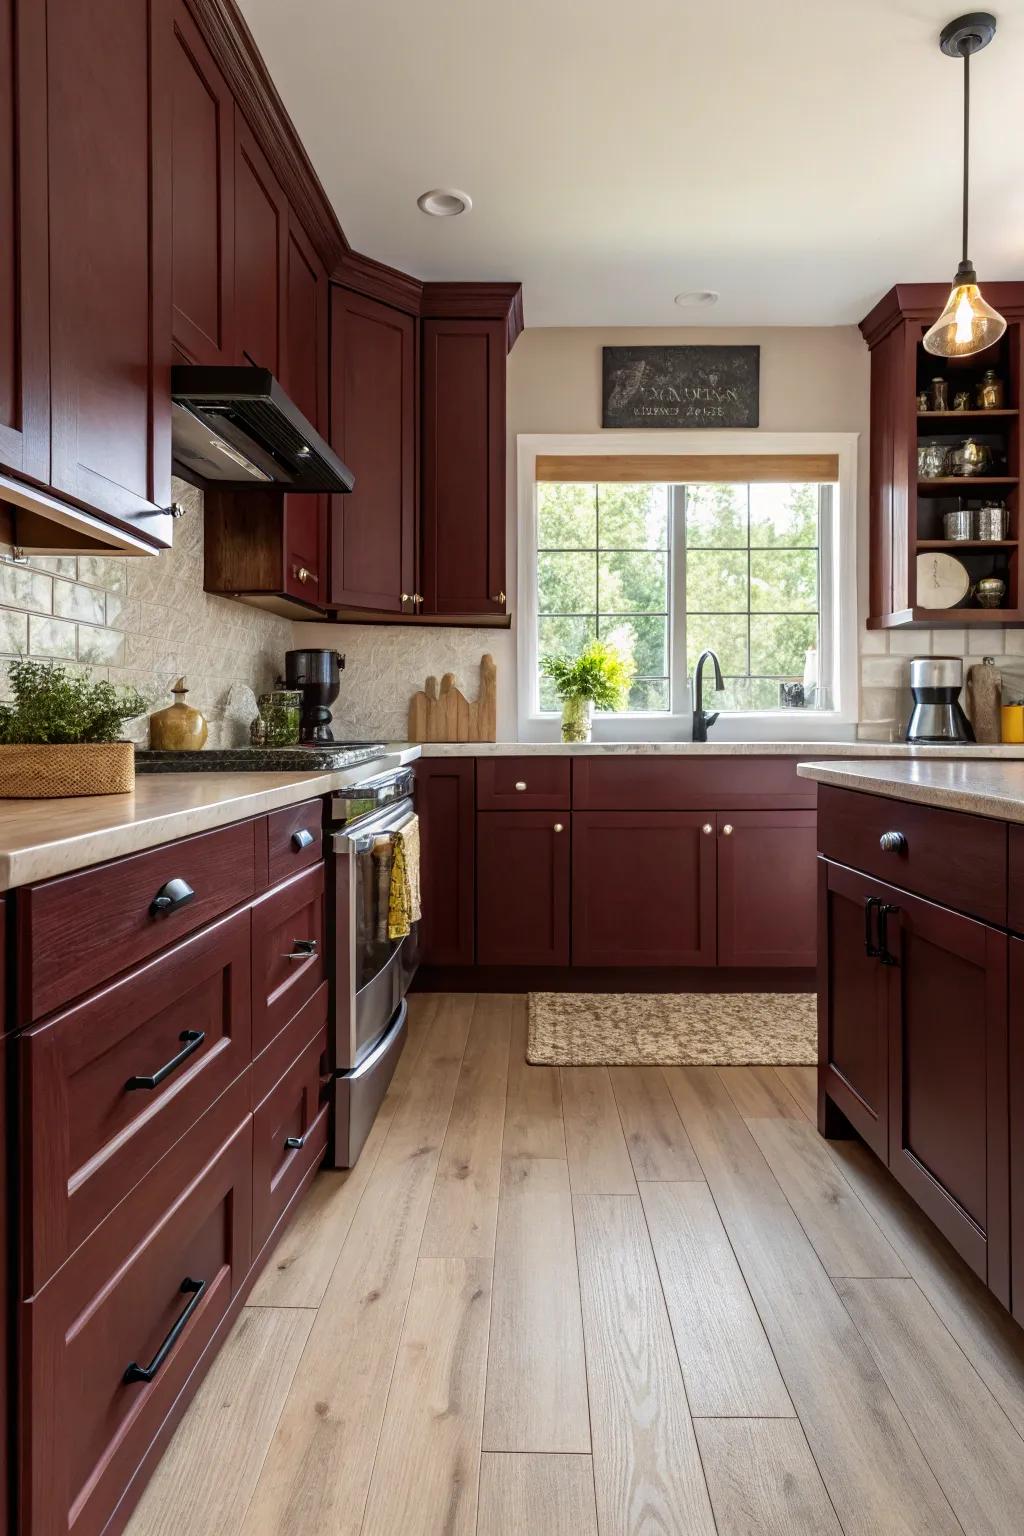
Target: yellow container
{"type": "Point", "coordinates": [1013, 722]}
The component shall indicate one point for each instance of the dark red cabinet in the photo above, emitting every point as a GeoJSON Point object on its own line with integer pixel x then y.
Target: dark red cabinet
{"type": "Point", "coordinates": [373, 428]}
{"type": "Point", "coordinates": [109, 108]}
{"type": "Point", "coordinates": [444, 801]}
{"type": "Point", "coordinates": [261, 254]}
{"type": "Point", "coordinates": [522, 888]}
{"type": "Point", "coordinates": [643, 888]}
{"type": "Point", "coordinates": [203, 214]}
{"type": "Point", "coordinates": [463, 459]}
{"type": "Point", "coordinates": [767, 888]}
{"type": "Point", "coordinates": [1016, 1088]}
{"type": "Point", "coordinates": [304, 373]}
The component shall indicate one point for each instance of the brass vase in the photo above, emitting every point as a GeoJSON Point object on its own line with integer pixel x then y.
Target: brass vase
{"type": "Point", "coordinates": [179, 727]}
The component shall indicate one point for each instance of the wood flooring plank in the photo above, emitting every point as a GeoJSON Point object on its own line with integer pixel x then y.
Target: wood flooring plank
{"type": "Point", "coordinates": [728, 1366]}
{"type": "Point", "coordinates": [763, 1480]}
{"type": "Point", "coordinates": [207, 1475]}
{"type": "Point", "coordinates": [533, 1111]}
{"type": "Point", "coordinates": [536, 1398]}
{"type": "Point", "coordinates": [843, 1233]}
{"type": "Point", "coordinates": [301, 1266]}
{"type": "Point", "coordinates": [760, 1091]}
{"type": "Point", "coordinates": [986, 1333]}
{"type": "Point", "coordinates": [976, 1454]}
{"type": "Point", "coordinates": [872, 1467]}
{"type": "Point", "coordinates": [802, 1083]}
{"type": "Point", "coordinates": [596, 1148]}
{"type": "Point", "coordinates": [647, 1469]}
{"type": "Point", "coordinates": [658, 1146]}
{"type": "Point", "coordinates": [425, 1475]}
{"type": "Point", "coordinates": [317, 1471]}
{"type": "Point", "coordinates": [536, 1496]}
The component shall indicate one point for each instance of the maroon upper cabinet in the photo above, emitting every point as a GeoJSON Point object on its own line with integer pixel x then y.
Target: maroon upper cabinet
{"type": "Point", "coordinates": [463, 456]}
{"type": "Point", "coordinates": [444, 801]}
{"type": "Point", "coordinates": [304, 374]}
{"type": "Point", "coordinates": [261, 255]}
{"type": "Point", "coordinates": [643, 888]}
{"type": "Point", "coordinates": [24, 300]}
{"type": "Point", "coordinates": [203, 214]}
{"type": "Point", "coordinates": [522, 888]}
{"type": "Point", "coordinates": [767, 888]}
{"type": "Point", "coordinates": [373, 428]}
{"type": "Point", "coordinates": [109, 105]}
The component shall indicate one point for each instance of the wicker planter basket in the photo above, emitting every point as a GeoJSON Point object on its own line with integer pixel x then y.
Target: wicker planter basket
{"type": "Point", "coordinates": [37, 772]}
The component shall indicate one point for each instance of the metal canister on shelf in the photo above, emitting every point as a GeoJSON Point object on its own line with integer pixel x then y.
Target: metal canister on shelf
{"type": "Point", "coordinates": [958, 525]}
{"type": "Point", "coordinates": [990, 522]}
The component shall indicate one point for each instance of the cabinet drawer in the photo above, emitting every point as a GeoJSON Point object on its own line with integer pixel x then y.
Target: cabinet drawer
{"type": "Point", "coordinates": [287, 834]}
{"type": "Point", "coordinates": [77, 931]}
{"type": "Point", "coordinates": [284, 978]}
{"type": "Point", "coordinates": [101, 1106]}
{"type": "Point", "coordinates": [947, 856]}
{"type": "Point", "coordinates": [522, 783]}
{"type": "Point", "coordinates": [289, 1135]}
{"type": "Point", "coordinates": [658, 783]}
{"type": "Point", "coordinates": [128, 1297]}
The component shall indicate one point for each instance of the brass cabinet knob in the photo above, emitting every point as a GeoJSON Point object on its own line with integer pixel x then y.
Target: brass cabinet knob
{"type": "Point", "coordinates": [498, 597]}
{"type": "Point", "coordinates": [727, 830]}
{"type": "Point", "coordinates": [304, 574]}
{"type": "Point", "coordinates": [558, 827]}
{"type": "Point", "coordinates": [520, 784]}
{"type": "Point", "coordinates": [407, 597]}
{"type": "Point", "coordinates": [417, 598]}
{"type": "Point", "coordinates": [707, 829]}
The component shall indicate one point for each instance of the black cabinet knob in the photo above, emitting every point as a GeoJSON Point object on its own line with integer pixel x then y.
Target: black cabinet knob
{"type": "Point", "coordinates": [176, 893]}
{"type": "Point", "coordinates": [302, 949]}
{"type": "Point", "coordinates": [892, 842]}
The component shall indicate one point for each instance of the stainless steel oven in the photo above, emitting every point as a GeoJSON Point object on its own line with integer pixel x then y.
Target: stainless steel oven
{"type": "Point", "coordinates": [371, 972]}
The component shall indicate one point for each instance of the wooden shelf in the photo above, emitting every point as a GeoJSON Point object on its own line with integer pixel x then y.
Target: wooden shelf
{"type": "Point", "coordinates": [972, 544]}
{"type": "Point", "coordinates": [953, 618]}
{"type": "Point", "coordinates": [972, 415]}
{"type": "Point", "coordinates": [943, 484]}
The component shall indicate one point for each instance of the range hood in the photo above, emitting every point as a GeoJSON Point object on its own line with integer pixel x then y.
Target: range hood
{"type": "Point", "coordinates": [235, 429]}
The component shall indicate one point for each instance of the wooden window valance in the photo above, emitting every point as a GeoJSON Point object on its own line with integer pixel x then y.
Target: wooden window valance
{"type": "Point", "coordinates": [689, 468]}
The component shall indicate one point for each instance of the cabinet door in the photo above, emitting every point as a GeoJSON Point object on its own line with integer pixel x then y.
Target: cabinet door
{"type": "Point", "coordinates": [24, 300]}
{"type": "Point", "coordinates": [444, 800]}
{"type": "Point", "coordinates": [853, 990]}
{"type": "Point", "coordinates": [109, 114]}
{"type": "Point", "coordinates": [203, 213]}
{"type": "Point", "coordinates": [261, 253]}
{"type": "Point", "coordinates": [373, 427]}
{"type": "Point", "coordinates": [767, 888]}
{"type": "Point", "coordinates": [304, 374]}
{"type": "Point", "coordinates": [522, 888]}
{"type": "Point", "coordinates": [949, 1117]}
{"type": "Point", "coordinates": [463, 539]}
{"type": "Point", "coordinates": [643, 888]}
{"type": "Point", "coordinates": [1016, 1055]}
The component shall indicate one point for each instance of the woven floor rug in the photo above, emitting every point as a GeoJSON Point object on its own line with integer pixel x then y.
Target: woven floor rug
{"type": "Point", "coordinates": [594, 1029]}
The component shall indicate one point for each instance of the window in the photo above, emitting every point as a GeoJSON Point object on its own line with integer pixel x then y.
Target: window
{"type": "Point", "coordinates": [666, 571]}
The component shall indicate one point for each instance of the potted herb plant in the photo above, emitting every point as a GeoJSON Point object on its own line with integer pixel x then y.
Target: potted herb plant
{"type": "Point", "coordinates": [598, 677]}
{"type": "Point", "coordinates": [59, 734]}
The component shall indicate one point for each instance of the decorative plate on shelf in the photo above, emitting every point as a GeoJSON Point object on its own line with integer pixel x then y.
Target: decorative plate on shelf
{"type": "Point", "coordinates": [942, 581]}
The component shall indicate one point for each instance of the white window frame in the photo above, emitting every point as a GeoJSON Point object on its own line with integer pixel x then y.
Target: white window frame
{"type": "Point", "coordinates": [839, 542]}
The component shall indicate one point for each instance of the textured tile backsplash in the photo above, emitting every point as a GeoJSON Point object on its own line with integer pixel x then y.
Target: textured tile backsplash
{"type": "Point", "coordinates": [145, 622]}
{"type": "Point", "coordinates": [885, 657]}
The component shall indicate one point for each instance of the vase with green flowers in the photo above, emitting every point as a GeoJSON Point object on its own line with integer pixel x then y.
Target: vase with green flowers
{"type": "Point", "coordinates": [59, 734]}
{"type": "Point", "coordinates": [599, 677]}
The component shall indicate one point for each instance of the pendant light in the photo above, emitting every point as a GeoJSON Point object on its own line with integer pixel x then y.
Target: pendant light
{"type": "Point", "coordinates": [967, 324]}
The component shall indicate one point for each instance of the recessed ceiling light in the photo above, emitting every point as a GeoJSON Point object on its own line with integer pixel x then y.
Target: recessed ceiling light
{"type": "Point", "coordinates": [696, 298]}
{"type": "Point", "coordinates": [445, 202]}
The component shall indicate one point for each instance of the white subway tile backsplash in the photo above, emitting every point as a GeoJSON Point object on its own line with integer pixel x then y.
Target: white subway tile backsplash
{"type": "Point", "coordinates": [73, 601]}
{"type": "Point", "coordinates": [884, 671]}
{"type": "Point", "coordinates": [875, 642]}
{"type": "Point", "coordinates": [105, 647]}
{"type": "Point", "coordinates": [23, 588]}
{"type": "Point", "coordinates": [52, 637]}
{"type": "Point", "coordinates": [103, 571]}
{"type": "Point", "coordinates": [910, 642]}
{"type": "Point", "coordinates": [13, 632]}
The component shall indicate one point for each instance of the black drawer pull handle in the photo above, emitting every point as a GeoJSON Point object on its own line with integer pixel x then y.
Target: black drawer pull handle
{"type": "Point", "coordinates": [884, 953]}
{"type": "Point", "coordinates": [892, 842]}
{"type": "Point", "coordinates": [302, 839]}
{"type": "Point", "coordinates": [302, 949]}
{"type": "Point", "coordinates": [294, 1143]}
{"type": "Point", "coordinates": [193, 1288]}
{"type": "Point", "coordinates": [192, 1039]}
{"type": "Point", "coordinates": [871, 949]}
{"type": "Point", "coordinates": [176, 893]}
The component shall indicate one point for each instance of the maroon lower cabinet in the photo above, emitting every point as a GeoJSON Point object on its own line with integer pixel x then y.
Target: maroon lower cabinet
{"type": "Point", "coordinates": [522, 783]}
{"type": "Point", "coordinates": [1016, 1082]}
{"type": "Point", "coordinates": [7, 1403]}
{"type": "Point", "coordinates": [445, 802]}
{"type": "Point", "coordinates": [767, 888]}
{"type": "Point", "coordinates": [290, 1122]}
{"type": "Point", "coordinates": [109, 1085]}
{"type": "Point", "coordinates": [522, 888]}
{"type": "Point", "coordinates": [288, 963]}
{"type": "Point", "coordinates": [109, 1344]}
{"type": "Point", "coordinates": [643, 888]}
{"type": "Point", "coordinates": [948, 1074]}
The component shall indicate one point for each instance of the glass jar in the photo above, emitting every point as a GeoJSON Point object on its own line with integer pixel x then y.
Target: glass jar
{"type": "Point", "coordinates": [279, 718]}
{"type": "Point", "coordinates": [940, 394]}
{"type": "Point", "coordinates": [577, 719]}
{"type": "Point", "coordinates": [991, 393]}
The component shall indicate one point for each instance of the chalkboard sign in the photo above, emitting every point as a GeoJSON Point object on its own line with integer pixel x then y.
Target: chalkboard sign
{"type": "Point", "coordinates": [681, 386]}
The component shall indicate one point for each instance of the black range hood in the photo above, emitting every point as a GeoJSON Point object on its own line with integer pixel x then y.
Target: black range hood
{"type": "Point", "coordinates": [235, 429]}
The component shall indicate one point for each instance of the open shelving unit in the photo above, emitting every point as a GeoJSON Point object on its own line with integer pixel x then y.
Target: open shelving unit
{"type": "Point", "coordinates": [907, 511]}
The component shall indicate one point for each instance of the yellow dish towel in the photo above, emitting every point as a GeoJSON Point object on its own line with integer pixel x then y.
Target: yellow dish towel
{"type": "Point", "coordinates": [404, 898]}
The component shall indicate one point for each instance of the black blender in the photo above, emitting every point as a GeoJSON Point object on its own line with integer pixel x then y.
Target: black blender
{"type": "Point", "coordinates": [317, 675]}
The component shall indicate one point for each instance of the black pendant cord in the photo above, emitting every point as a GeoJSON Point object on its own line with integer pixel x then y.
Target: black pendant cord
{"type": "Point", "coordinates": [967, 140]}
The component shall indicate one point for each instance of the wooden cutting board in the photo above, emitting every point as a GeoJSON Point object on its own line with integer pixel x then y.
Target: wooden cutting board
{"type": "Point", "coordinates": [445, 714]}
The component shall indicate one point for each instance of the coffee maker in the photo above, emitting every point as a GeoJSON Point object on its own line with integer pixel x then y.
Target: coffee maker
{"type": "Point", "coordinates": [317, 675]}
{"type": "Point", "coordinates": [935, 682]}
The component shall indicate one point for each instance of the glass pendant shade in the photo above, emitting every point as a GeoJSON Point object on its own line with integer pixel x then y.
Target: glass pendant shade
{"type": "Point", "coordinates": [967, 324]}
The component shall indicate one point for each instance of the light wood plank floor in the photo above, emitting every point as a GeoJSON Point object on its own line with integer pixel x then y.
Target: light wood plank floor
{"type": "Point", "coordinates": [626, 1302]}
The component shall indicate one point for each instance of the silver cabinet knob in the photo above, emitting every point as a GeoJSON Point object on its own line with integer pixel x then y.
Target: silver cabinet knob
{"type": "Point", "coordinates": [558, 827]}
{"type": "Point", "coordinates": [707, 829]}
{"type": "Point", "coordinates": [892, 842]}
{"type": "Point", "coordinates": [727, 830]}
{"type": "Point", "coordinates": [520, 784]}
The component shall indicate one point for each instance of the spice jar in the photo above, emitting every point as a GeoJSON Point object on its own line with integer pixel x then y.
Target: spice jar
{"type": "Point", "coordinates": [991, 393]}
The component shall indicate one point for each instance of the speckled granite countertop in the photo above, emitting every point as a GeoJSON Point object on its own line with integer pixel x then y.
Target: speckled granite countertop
{"type": "Point", "coordinates": [803, 749]}
{"type": "Point", "coordinates": [982, 788]}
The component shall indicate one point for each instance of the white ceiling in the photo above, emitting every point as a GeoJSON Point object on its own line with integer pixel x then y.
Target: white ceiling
{"type": "Point", "coordinates": [799, 156]}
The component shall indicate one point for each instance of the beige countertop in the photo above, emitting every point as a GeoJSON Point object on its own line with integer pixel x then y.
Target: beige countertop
{"type": "Point", "coordinates": [807, 749]}
{"type": "Point", "coordinates": [982, 788]}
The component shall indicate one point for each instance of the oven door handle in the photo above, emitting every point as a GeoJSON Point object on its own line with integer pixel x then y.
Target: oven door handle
{"type": "Point", "coordinates": [363, 839]}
